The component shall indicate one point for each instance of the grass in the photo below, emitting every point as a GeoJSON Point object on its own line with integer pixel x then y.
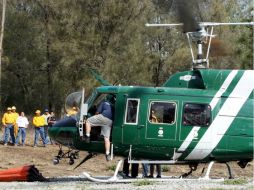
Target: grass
{"type": "Point", "coordinates": [240, 181]}
{"type": "Point", "coordinates": [164, 168]}
{"type": "Point", "coordinates": [111, 168]}
{"type": "Point", "coordinates": [143, 182]}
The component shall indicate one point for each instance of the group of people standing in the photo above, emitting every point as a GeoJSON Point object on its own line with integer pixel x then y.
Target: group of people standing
{"type": "Point", "coordinates": [15, 126]}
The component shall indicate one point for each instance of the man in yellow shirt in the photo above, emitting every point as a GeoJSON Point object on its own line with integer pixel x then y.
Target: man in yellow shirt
{"type": "Point", "coordinates": [15, 115]}
{"type": "Point", "coordinates": [39, 122]}
{"type": "Point", "coordinates": [8, 122]}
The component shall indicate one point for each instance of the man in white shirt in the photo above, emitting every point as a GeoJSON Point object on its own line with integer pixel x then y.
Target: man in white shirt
{"type": "Point", "coordinates": [22, 123]}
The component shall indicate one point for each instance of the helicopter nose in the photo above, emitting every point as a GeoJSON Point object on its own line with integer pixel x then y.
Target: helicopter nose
{"type": "Point", "coordinates": [64, 131]}
{"type": "Point", "coordinates": [66, 122]}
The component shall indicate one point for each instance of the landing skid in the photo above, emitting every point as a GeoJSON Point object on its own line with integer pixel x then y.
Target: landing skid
{"type": "Point", "coordinates": [114, 178]}
{"type": "Point", "coordinates": [117, 179]}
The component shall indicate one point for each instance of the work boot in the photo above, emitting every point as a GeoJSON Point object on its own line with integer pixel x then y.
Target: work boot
{"type": "Point", "coordinates": [107, 157]}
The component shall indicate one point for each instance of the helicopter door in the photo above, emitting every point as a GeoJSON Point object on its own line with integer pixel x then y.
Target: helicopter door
{"type": "Point", "coordinates": [161, 124]}
{"type": "Point", "coordinates": [196, 118]}
{"type": "Point", "coordinates": [129, 129]}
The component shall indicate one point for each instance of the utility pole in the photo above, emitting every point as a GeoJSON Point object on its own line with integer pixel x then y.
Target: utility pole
{"type": "Point", "coordinates": [1, 48]}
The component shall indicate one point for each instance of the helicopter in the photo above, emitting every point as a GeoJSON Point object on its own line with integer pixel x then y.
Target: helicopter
{"type": "Point", "coordinates": [202, 115]}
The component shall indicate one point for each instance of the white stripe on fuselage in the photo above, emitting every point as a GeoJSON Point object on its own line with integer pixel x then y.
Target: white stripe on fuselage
{"type": "Point", "coordinates": [224, 118]}
{"type": "Point", "coordinates": [213, 103]}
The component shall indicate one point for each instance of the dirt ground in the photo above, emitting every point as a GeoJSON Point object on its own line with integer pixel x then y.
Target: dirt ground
{"type": "Point", "coordinates": [42, 158]}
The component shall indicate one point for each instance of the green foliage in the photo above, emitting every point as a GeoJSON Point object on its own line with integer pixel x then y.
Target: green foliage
{"type": "Point", "coordinates": [50, 46]}
{"type": "Point", "coordinates": [143, 182]}
{"type": "Point", "coordinates": [111, 168]}
{"type": "Point", "coordinates": [164, 168]}
{"type": "Point", "coordinates": [240, 181]}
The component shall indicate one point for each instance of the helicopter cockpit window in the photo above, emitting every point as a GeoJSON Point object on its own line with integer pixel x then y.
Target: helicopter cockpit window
{"type": "Point", "coordinates": [162, 112]}
{"type": "Point", "coordinates": [196, 114]}
{"type": "Point", "coordinates": [131, 113]}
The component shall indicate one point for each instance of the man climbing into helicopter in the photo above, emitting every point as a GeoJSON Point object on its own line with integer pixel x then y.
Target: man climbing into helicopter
{"type": "Point", "coordinates": [104, 118]}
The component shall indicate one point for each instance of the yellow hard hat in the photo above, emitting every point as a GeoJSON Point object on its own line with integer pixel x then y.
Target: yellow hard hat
{"type": "Point", "coordinates": [13, 108]}
{"type": "Point", "coordinates": [9, 109]}
{"type": "Point", "coordinates": [38, 111]}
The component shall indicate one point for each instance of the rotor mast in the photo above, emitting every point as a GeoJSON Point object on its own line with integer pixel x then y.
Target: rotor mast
{"type": "Point", "coordinates": [200, 37]}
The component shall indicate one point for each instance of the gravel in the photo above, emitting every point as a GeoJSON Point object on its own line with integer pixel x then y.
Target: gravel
{"type": "Point", "coordinates": [68, 183]}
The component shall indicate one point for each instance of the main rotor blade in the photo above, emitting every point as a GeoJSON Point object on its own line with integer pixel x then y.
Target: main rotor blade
{"type": "Point", "coordinates": [225, 23]}
{"type": "Point", "coordinates": [186, 15]}
{"type": "Point", "coordinates": [203, 24]}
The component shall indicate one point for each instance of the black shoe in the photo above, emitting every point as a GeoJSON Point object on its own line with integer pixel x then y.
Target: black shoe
{"type": "Point", "coordinates": [87, 139]}
{"type": "Point", "coordinates": [150, 176]}
{"type": "Point", "coordinates": [107, 157]}
{"type": "Point", "coordinates": [158, 176]}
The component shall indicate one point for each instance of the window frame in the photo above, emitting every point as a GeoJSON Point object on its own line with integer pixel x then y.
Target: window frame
{"type": "Point", "coordinates": [126, 109]}
{"type": "Point", "coordinates": [210, 119]}
{"type": "Point", "coordinates": [159, 101]}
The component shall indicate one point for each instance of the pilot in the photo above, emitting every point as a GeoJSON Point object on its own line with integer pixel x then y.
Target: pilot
{"type": "Point", "coordinates": [153, 118]}
{"type": "Point", "coordinates": [104, 118]}
{"type": "Point", "coordinates": [73, 111]}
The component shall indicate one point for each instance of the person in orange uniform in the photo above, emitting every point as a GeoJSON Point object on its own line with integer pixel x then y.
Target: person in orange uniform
{"type": "Point", "coordinates": [8, 122]}
{"type": "Point", "coordinates": [15, 115]}
{"type": "Point", "coordinates": [39, 122]}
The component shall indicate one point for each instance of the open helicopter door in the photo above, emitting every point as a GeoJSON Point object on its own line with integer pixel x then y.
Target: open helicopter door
{"type": "Point", "coordinates": [83, 113]}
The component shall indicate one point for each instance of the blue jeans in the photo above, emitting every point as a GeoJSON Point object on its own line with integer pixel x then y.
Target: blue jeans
{"type": "Point", "coordinates": [9, 129]}
{"type": "Point", "coordinates": [22, 133]}
{"type": "Point", "coordinates": [145, 170]}
{"type": "Point", "coordinates": [39, 130]}
{"type": "Point", "coordinates": [46, 134]}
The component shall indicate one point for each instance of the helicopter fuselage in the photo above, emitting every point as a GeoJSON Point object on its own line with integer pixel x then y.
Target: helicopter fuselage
{"type": "Point", "coordinates": [196, 116]}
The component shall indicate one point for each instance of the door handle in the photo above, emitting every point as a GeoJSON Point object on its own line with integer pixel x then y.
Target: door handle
{"type": "Point", "coordinates": [140, 126]}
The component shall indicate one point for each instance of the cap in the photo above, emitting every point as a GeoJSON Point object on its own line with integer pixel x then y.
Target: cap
{"type": "Point", "coordinates": [13, 108]}
{"type": "Point", "coordinates": [38, 111]}
{"type": "Point", "coordinates": [46, 110]}
{"type": "Point", "coordinates": [9, 109]}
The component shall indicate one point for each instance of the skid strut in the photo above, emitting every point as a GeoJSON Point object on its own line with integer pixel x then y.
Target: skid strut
{"type": "Point", "coordinates": [210, 167]}
{"type": "Point", "coordinates": [114, 178]}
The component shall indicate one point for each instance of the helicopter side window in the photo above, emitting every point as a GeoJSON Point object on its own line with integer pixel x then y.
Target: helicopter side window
{"type": "Point", "coordinates": [162, 112]}
{"type": "Point", "coordinates": [131, 113]}
{"type": "Point", "coordinates": [196, 114]}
